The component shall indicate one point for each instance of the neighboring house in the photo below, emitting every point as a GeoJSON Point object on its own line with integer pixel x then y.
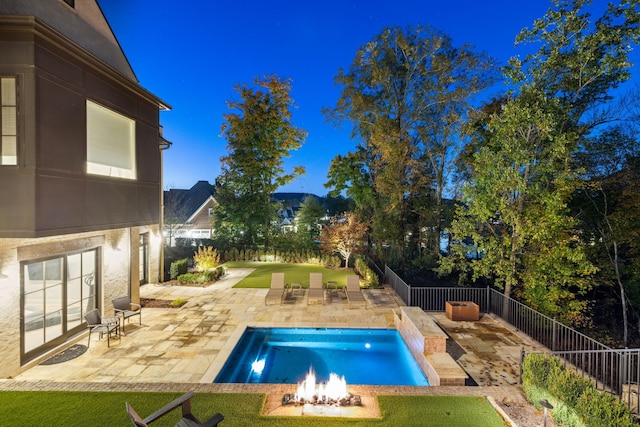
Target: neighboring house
{"type": "Point", "coordinates": [188, 213]}
{"type": "Point", "coordinates": [288, 206]}
{"type": "Point", "coordinates": [81, 173]}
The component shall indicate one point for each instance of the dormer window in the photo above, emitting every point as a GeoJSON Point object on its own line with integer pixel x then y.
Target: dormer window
{"type": "Point", "coordinates": [111, 145]}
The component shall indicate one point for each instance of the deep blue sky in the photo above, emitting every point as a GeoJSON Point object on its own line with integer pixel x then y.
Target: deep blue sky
{"type": "Point", "coordinates": [191, 54]}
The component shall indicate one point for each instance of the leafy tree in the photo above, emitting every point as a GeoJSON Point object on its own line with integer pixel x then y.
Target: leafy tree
{"type": "Point", "coordinates": [174, 215]}
{"type": "Point", "coordinates": [404, 95]}
{"type": "Point", "coordinates": [609, 207]}
{"type": "Point", "coordinates": [260, 135]}
{"type": "Point", "coordinates": [345, 235]}
{"type": "Point", "coordinates": [309, 218]}
{"type": "Point", "coordinates": [522, 175]}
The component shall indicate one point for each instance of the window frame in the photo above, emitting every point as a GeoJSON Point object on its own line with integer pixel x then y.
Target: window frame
{"type": "Point", "coordinates": [107, 156]}
{"type": "Point", "coordinates": [12, 159]}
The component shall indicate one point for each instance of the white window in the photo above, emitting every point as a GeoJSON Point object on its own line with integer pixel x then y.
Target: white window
{"type": "Point", "coordinates": [111, 143]}
{"type": "Point", "coordinates": [9, 122]}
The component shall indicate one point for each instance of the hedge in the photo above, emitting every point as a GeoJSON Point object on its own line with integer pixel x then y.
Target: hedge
{"type": "Point", "coordinates": [179, 267]}
{"type": "Point", "coordinates": [301, 256]}
{"type": "Point", "coordinates": [576, 401]}
{"type": "Point", "coordinates": [203, 276]}
{"type": "Point", "coordinates": [369, 277]}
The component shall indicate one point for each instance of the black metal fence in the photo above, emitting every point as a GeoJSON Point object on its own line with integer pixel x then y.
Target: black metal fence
{"type": "Point", "coordinates": [616, 371]}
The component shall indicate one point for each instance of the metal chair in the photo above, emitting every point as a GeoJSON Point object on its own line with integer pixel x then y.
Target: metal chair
{"type": "Point", "coordinates": [124, 308]}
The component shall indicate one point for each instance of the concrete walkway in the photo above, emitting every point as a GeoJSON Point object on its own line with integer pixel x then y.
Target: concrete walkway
{"type": "Point", "coordinates": [184, 349]}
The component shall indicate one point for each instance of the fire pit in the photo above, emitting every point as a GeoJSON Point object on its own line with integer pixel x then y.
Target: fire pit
{"type": "Point", "coordinates": [334, 392]}
{"type": "Point", "coordinates": [462, 310]}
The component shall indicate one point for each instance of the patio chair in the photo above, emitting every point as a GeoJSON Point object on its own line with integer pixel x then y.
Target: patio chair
{"type": "Point", "coordinates": [353, 291]}
{"type": "Point", "coordinates": [187, 420]}
{"type": "Point", "coordinates": [276, 291]}
{"type": "Point", "coordinates": [124, 308]}
{"type": "Point", "coordinates": [316, 288]}
{"type": "Point", "coordinates": [108, 325]}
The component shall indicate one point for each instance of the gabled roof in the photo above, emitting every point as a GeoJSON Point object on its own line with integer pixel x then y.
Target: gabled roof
{"type": "Point", "coordinates": [188, 203]}
{"type": "Point", "coordinates": [84, 24]}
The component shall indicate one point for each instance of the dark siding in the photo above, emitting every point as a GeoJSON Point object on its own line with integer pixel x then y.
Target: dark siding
{"type": "Point", "coordinates": [49, 192]}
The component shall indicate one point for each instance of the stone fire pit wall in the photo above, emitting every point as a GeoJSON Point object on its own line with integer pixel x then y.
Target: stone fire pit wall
{"type": "Point", "coordinates": [428, 344]}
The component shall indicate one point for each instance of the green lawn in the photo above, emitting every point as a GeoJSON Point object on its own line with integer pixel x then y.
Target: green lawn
{"type": "Point", "coordinates": [61, 408]}
{"type": "Point", "coordinates": [261, 278]}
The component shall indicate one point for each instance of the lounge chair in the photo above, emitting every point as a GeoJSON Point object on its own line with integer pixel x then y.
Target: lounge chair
{"type": "Point", "coordinates": [276, 292]}
{"type": "Point", "coordinates": [124, 308]}
{"type": "Point", "coordinates": [316, 288]}
{"type": "Point", "coordinates": [187, 420]}
{"type": "Point", "coordinates": [108, 325]}
{"type": "Point", "coordinates": [353, 291]}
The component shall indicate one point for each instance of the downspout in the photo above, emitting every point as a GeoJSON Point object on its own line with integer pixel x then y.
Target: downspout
{"type": "Point", "coordinates": [164, 145]}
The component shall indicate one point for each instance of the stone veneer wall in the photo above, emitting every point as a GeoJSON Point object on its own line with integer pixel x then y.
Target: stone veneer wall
{"type": "Point", "coordinates": [119, 258]}
{"type": "Point", "coordinates": [428, 344]}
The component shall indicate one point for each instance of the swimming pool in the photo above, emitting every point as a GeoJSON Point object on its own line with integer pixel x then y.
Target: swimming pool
{"type": "Point", "coordinates": [285, 355]}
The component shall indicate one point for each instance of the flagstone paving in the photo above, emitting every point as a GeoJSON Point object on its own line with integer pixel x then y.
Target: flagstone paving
{"type": "Point", "coordinates": [184, 348]}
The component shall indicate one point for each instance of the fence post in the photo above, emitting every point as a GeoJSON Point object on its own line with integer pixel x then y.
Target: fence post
{"type": "Point", "coordinates": [521, 362]}
{"type": "Point", "coordinates": [488, 310]}
{"type": "Point", "coordinates": [553, 335]}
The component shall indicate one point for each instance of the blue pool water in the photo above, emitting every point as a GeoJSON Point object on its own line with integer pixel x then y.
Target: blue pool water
{"type": "Point", "coordinates": [362, 356]}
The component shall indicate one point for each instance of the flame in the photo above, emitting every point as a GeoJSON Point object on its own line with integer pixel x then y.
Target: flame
{"type": "Point", "coordinates": [334, 390]}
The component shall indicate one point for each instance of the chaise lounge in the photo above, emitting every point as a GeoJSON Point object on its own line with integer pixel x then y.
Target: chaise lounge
{"type": "Point", "coordinates": [276, 291]}
{"type": "Point", "coordinates": [353, 291]}
{"type": "Point", "coordinates": [316, 289]}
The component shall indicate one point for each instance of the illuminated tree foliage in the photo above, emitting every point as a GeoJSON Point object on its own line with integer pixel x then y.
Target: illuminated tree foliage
{"type": "Point", "coordinates": [344, 235]}
{"type": "Point", "coordinates": [404, 94]}
{"type": "Point", "coordinates": [522, 172]}
{"type": "Point", "coordinates": [260, 135]}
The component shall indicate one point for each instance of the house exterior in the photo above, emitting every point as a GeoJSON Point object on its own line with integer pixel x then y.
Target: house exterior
{"type": "Point", "coordinates": [81, 172]}
{"type": "Point", "coordinates": [288, 206]}
{"type": "Point", "coordinates": [188, 213]}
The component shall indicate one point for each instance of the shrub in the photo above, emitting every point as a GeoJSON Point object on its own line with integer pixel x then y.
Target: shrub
{"type": "Point", "coordinates": [177, 303]}
{"type": "Point", "coordinates": [206, 258]}
{"type": "Point", "coordinates": [203, 276]}
{"type": "Point", "coordinates": [536, 369]}
{"type": "Point", "coordinates": [178, 267]}
{"type": "Point", "coordinates": [567, 385]}
{"type": "Point", "coordinates": [600, 409]}
{"type": "Point", "coordinates": [575, 400]}
{"type": "Point", "coordinates": [369, 277]}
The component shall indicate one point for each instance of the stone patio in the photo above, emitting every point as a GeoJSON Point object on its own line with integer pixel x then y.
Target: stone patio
{"type": "Point", "coordinates": [184, 348]}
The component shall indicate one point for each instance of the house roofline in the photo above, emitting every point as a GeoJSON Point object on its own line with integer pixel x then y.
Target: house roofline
{"type": "Point", "coordinates": [197, 211]}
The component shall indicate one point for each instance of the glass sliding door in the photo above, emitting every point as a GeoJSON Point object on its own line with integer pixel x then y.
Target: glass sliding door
{"type": "Point", "coordinates": [42, 302]}
{"type": "Point", "coordinates": [56, 294]}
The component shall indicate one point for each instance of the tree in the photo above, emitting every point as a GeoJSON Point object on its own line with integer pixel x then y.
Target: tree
{"type": "Point", "coordinates": [522, 174]}
{"type": "Point", "coordinates": [404, 95]}
{"type": "Point", "coordinates": [308, 218]}
{"type": "Point", "coordinates": [609, 208]}
{"type": "Point", "coordinates": [174, 215]}
{"type": "Point", "coordinates": [260, 135]}
{"type": "Point", "coordinates": [345, 235]}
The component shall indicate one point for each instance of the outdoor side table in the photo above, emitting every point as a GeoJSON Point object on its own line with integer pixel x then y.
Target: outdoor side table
{"type": "Point", "coordinates": [296, 285]}
{"type": "Point", "coordinates": [113, 320]}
